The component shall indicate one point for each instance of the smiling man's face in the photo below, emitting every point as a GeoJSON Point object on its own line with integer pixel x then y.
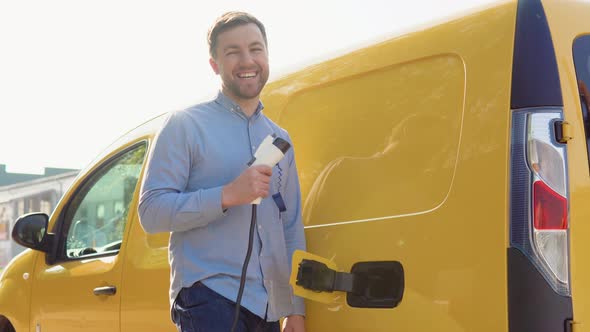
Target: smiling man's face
{"type": "Point", "coordinates": [242, 62]}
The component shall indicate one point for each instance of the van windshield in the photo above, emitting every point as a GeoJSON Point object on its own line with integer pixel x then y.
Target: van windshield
{"type": "Point", "coordinates": [582, 64]}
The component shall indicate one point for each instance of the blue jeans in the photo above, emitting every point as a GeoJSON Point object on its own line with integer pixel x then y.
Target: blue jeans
{"type": "Point", "coordinates": [200, 309]}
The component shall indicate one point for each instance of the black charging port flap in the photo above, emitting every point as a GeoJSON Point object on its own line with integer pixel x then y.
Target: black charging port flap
{"type": "Point", "coordinates": [368, 285]}
{"type": "Point", "coordinates": [380, 285]}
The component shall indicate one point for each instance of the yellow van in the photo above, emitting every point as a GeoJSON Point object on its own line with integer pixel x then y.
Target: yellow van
{"type": "Point", "coordinates": [460, 151]}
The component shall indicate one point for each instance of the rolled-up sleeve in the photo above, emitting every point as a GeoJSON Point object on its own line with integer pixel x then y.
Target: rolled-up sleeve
{"type": "Point", "coordinates": [293, 226]}
{"type": "Point", "coordinates": [164, 206]}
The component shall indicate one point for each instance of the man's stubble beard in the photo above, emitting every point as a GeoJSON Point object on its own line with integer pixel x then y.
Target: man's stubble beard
{"type": "Point", "coordinates": [234, 89]}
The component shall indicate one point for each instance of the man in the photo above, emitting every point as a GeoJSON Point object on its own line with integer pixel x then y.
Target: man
{"type": "Point", "coordinates": [199, 187]}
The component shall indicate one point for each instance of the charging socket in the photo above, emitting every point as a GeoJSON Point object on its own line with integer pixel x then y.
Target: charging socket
{"type": "Point", "coordinates": [369, 284]}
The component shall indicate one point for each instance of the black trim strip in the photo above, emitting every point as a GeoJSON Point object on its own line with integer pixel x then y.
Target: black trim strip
{"type": "Point", "coordinates": [535, 76]}
{"type": "Point", "coordinates": [532, 304]}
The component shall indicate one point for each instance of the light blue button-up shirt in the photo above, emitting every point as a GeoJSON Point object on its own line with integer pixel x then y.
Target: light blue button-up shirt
{"type": "Point", "coordinates": [196, 153]}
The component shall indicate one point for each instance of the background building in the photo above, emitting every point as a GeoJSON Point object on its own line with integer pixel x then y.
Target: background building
{"type": "Point", "coordinates": [25, 193]}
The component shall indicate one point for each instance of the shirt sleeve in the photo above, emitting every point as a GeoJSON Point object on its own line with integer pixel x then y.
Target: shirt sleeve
{"type": "Point", "coordinates": [164, 206]}
{"type": "Point", "coordinates": [293, 225]}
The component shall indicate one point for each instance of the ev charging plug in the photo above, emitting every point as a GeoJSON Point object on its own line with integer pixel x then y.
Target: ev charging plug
{"type": "Point", "coordinates": [270, 152]}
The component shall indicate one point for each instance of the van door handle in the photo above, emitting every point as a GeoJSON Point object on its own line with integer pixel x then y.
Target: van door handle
{"type": "Point", "coordinates": [107, 290]}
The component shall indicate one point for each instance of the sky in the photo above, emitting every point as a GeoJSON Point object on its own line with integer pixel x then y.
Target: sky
{"type": "Point", "coordinates": [77, 74]}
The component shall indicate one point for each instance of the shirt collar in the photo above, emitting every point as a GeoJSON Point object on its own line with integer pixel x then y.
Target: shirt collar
{"type": "Point", "coordinates": [228, 104]}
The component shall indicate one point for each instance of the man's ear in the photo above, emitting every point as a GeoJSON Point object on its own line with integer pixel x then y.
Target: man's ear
{"type": "Point", "coordinates": [214, 66]}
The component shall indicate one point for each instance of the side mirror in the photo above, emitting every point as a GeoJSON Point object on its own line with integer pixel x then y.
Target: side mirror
{"type": "Point", "coordinates": [30, 231]}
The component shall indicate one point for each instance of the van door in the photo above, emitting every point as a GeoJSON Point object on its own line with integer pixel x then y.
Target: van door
{"type": "Point", "coordinates": [570, 31]}
{"type": "Point", "coordinates": [80, 289]}
{"type": "Point", "coordinates": [580, 215]}
{"type": "Point", "coordinates": [145, 304]}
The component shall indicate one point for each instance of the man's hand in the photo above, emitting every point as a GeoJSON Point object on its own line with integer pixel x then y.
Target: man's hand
{"type": "Point", "coordinates": [294, 323]}
{"type": "Point", "coordinates": [254, 182]}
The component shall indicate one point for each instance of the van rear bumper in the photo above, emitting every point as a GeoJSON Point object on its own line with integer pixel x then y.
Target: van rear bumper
{"type": "Point", "coordinates": [532, 304]}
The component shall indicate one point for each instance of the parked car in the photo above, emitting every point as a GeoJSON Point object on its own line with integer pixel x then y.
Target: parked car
{"type": "Point", "coordinates": [460, 151]}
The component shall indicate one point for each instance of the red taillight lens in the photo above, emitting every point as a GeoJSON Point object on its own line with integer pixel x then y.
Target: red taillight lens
{"type": "Point", "coordinates": [550, 208]}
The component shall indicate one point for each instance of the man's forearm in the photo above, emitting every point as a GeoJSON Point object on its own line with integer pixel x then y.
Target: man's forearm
{"type": "Point", "coordinates": [170, 211]}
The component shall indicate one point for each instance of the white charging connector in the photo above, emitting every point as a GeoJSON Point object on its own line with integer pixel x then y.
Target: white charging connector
{"type": "Point", "coordinates": [269, 153]}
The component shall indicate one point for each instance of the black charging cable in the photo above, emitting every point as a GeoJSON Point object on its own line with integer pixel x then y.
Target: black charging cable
{"type": "Point", "coordinates": [244, 269]}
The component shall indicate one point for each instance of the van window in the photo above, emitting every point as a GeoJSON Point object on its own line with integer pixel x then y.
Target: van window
{"type": "Point", "coordinates": [582, 64]}
{"type": "Point", "coordinates": [98, 213]}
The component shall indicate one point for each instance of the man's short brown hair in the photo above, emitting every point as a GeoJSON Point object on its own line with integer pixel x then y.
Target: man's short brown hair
{"type": "Point", "coordinates": [230, 20]}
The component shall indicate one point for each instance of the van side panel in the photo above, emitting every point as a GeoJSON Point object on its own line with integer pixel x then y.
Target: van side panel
{"type": "Point", "coordinates": [568, 20]}
{"type": "Point", "coordinates": [388, 158]}
{"type": "Point", "coordinates": [444, 123]}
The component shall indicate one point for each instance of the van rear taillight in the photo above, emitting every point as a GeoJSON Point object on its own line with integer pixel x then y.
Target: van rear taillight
{"type": "Point", "coordinates": [549, 208]}
{"type": "Point", "coordinates": [539, 291]}
{"type": "Point", "coordinates": [539, 223]}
